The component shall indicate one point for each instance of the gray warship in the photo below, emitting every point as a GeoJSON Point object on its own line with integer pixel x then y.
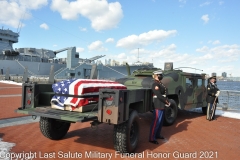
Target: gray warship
{"type": "Point", "coordinates": [38, 62]}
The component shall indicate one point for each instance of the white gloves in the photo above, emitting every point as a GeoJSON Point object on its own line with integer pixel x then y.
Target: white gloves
{"type": "Point", "coordinates": [167, 105]}
{"type": "Point", "coordinates": [217, 94]}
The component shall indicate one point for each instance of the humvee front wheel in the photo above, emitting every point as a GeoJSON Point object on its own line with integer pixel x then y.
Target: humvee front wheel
{"type": "Point", "coordinates": [170, 113]}
{"type": "Point", "coordinates": [52, 128]}
{"type": "Point", "coordinates": [126, 134]}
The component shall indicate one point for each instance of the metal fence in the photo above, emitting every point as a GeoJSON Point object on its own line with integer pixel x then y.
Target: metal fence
{"type": "Point", "coordinates": [39, 79]}
{"type": "Point", "coordinates": [19, 79]}
{"type": "Point", "coordinates": [229, 99]}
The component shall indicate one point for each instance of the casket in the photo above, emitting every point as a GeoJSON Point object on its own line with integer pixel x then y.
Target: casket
{"type": "Point", "coordinates": [66, 93]}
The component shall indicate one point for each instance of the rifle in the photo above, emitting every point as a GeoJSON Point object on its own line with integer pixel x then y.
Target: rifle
{"type": "Point", "coordinates": [213, 107]}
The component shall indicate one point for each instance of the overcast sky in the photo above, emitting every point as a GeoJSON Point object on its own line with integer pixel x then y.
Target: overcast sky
{"type": "Point", "coordinates": [202, 34]}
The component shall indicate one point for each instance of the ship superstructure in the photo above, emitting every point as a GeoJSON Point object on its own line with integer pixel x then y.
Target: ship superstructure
{"type": "Point", "coordinates": [39, 61]}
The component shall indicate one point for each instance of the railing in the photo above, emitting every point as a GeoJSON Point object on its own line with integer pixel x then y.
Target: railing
{"type": "Point", "coordinates": [24, 68]}
{"type": "Point", "coordinates": [56, 75]}
{"type": "Point", "coordinates": [58, 71]}
{"type": "Point", "coordinates": [229, 99]}
{"type": "Point", "coordinates": [19, 79]}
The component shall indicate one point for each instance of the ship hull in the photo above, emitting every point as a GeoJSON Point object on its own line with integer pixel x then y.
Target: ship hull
{"type": "Point", "coordinates": [34, 68]}
{"type": "Point", "coordinates": [43, 69]}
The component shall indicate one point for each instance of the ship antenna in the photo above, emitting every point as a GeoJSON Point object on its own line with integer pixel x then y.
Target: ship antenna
{"type": "Point", "coordinates": [138, 55]}
{"type": "Point", "coordinates": [20, 24]}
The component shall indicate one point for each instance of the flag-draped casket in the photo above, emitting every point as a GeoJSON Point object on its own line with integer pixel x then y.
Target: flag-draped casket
{"type": "Point", "coordinates": [79, 87]}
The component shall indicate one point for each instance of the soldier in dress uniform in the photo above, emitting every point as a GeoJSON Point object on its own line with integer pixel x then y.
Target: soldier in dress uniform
{"type": "Point", "coordinates": [160, 101]}
{"type": "Point", "coordinates": [212, 95]}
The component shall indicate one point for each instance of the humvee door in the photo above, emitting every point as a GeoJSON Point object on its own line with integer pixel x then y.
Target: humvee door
{"type": "Point", "coordinates": [195, 92]}
{"type": "Point", "coordinates": [189, 90]}
{"type": "Point", "coordinates": [198, 91]}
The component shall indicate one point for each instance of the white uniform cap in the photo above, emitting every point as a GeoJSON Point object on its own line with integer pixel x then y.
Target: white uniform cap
{"type": "Point", "coordinates": [157, 72]}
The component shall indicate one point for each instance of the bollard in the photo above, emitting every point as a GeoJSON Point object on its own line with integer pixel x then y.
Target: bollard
{"type": "Point", "coordinates": [225, 106]}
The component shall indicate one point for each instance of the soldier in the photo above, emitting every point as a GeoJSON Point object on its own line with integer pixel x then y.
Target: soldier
{"type": "Point", "coordinates": [212, 97]}
{"type": "Point", "coordinates": [160, 101]}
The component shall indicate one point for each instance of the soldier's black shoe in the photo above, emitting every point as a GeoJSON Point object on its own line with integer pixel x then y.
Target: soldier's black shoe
{"type": "Point", "coordinates": [160, 137]}
{"type": "Point", "coordinates": [154, 142]}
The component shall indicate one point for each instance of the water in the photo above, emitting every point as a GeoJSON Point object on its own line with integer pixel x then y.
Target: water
{"type": "Point", "coordinates": [229, 85]}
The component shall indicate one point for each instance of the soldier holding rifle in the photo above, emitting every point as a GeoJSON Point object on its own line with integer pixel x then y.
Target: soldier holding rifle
{"type": "Point", "coordinates": [212, 98]}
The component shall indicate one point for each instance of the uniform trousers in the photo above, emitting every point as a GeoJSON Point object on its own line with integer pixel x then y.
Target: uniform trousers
{"type": "Point", "coordinates": [211, 105]}
{"type": "Point", "coordinates": [156, 125]}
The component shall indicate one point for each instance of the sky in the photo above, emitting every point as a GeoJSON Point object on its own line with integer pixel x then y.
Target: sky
{"type": "Point", "coordinates": [201, 34]}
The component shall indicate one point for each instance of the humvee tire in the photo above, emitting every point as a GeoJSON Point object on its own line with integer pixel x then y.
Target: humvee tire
{"type": "Point", "coordinates": [126, 134]}
{"type": "Point", "coordinates": [52, 128]}
{"type": "Point", "coordinates": [170, 113]}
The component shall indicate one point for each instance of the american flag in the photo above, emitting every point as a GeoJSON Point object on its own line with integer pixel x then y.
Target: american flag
{"type": "Point", "coordinates": [80, 87]}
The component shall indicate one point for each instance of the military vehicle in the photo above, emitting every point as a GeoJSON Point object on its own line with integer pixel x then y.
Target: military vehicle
{"type": "Point", "coordinates": [119, 107]}
{"type": "Point", "coordinates": [185, 90]}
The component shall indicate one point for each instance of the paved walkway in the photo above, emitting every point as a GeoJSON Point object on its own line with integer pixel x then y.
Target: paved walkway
{"type": "Point", "coordinates": [18, 121]}
{"type": "Point", "coordinates": [191, 135]}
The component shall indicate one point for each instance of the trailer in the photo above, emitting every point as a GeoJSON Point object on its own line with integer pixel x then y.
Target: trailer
{"type": "Point", "coordinates": [118, 107]}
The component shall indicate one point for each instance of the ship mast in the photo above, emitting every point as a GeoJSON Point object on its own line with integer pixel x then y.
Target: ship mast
{"type": "Point", "coordinates": [138, 62]}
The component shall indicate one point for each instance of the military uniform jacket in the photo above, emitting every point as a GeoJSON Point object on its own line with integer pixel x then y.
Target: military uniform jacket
{"type": "Point", "coordinates": [159, 90]}
{"type": "Point", "coordinates": [211, 91]}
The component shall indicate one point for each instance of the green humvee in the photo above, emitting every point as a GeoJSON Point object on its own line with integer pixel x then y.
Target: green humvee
{"type": "Point", "coordinates": [185, 90]}
{"type": "Point", "coordinates": [119, 107]}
